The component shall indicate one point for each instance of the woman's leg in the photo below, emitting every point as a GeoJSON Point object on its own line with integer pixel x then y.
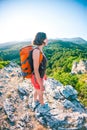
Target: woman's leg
{"type": "Point", "coordinates": [35, 95]}
{"type": "Point", "coordinates": [40, 94]}
{"type": "Point", "coordinates": [37, 92]}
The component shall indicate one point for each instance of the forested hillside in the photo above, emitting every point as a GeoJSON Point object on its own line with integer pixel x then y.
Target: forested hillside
{"type": "Point", "coordinates": [10, 51]}
{"type": "Point", "coordinates": [60, 55]}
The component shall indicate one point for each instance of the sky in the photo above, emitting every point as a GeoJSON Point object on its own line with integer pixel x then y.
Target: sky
{"type": "Point", "coordinates": [22, 19]}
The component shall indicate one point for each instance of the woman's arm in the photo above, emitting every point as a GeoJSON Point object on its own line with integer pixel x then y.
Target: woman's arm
{"type": "Point", "coordinates": [36, 56]}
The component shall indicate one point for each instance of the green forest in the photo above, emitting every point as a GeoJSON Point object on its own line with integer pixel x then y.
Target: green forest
{"type": "Point", "coordinates": [61, 55]}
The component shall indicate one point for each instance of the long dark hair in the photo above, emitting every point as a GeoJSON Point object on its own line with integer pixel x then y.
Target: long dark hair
{"type": "Point", "coordinates": [39, 38]}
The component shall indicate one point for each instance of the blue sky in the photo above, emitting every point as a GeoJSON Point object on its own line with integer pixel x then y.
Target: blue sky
{"type": "Point", "coordinates": [22, 19]}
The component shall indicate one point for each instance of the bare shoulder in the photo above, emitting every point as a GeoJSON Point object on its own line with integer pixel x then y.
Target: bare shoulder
{"type": "Point", "coordinates": [36, 52]}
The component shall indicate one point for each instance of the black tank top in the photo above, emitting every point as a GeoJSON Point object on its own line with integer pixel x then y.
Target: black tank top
{"type": "Point", "coordinates": [42, 66]}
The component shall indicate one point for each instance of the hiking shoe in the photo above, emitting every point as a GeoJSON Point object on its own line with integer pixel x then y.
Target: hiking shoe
{"type": "Point", "coordinates": [35, 104]}
{"type": "Point", "coordinates": [43, 108]}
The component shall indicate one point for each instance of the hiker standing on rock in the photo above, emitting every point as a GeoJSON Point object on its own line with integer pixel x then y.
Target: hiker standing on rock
{"type": "Point", "coordinates": [39, 70]}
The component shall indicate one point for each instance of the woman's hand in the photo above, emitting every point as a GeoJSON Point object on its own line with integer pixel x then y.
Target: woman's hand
{"type": "Point", "coordinates": [45, 77]}
{"type": "Point", "coordinates": [42, 88]}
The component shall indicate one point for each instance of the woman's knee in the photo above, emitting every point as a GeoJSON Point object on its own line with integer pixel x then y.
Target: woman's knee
{"type": "Point", "coordinates": [40, 92]}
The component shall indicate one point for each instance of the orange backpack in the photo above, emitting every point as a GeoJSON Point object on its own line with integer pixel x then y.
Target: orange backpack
{"type": "Point", "coordinates": [26, 65]}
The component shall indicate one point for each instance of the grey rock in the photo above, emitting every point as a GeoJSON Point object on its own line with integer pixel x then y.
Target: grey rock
{"type": "Point", "coordinates": [1, 108]}
{"type": "Point", "coordinates": [1, 87]}
{"type": "Point", "coordinates": [13, 64]}
{"type": "Point", "coordinates": [68, 104]}
{"type": "Point", "coordinates": [8, 70]}
{"type": "Point", "coordinates": [23, 91]}
{"type": "Point", "coordinates": [79, 106]}
{"type": "Point", "coordinates": [1, 76]}
{"type": "Point", "coordinates": [80, 121]}
{"type": "Point", "coordinates": [65, 113]}
{"type": "Point", "coordinates": [42, 120]}
{"type": "Point", "coordinates": [1, 93]}
{"type": "Point", "coordinates": [9, 109]}
{"type": "Point", "coordinates": [53, 84]}
{"type": "Point", "coordinates": [85, 126]}
{"type": "Point", "coordinates": [7, 76]}
{"type": "Point", "coordinates": [13, 75]}
{"type": "Point", "coordinates": [64, 98]}
{"type": "Point", "coordinates": [22, 123]}
{"type": "Point", "coordinates": [57, 95]}
{"type": "Point", "coordinates": [20, 74]}
{"type": "Point", "coordinates": [73, 128]}
{"type": "Point", "coordinates": [79, 68]}
{"type": "Point", "coordinates": [26, 118]}
{"type": "Point", "coordinates": [69, 92]}
{"type": "Point", "coordinates": [74, 105]}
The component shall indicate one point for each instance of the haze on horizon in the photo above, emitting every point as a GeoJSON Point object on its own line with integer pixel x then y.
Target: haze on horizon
{"type": "Point", "coordinates": [22, 19]}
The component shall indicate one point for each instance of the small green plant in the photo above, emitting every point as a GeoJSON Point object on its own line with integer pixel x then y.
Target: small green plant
{"type": "Point", "coordinates": [3, 64]}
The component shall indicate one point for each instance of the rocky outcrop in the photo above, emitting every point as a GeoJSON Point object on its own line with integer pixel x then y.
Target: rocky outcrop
{"type": "Point", "coordinates": [79, 68]}
{"type": "Point", "coordinates": [65, 111]}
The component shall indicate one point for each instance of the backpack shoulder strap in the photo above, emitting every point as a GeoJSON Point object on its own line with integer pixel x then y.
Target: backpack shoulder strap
{"type": "Point", "coordinates": [41, 57]}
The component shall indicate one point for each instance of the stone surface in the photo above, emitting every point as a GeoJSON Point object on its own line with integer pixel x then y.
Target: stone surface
{"type": "Point", "coordinates": [69, 92]}
{"type": "Point", "coordinates": [9, 109]}
{"type": "Point", "coordinates": [65, 113]}
{"type": "Point", "coordinates": [79, 68]}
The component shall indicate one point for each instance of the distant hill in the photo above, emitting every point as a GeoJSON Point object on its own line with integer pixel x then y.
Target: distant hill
{"type": "Point", "coordinates": [77, 40]}
{"type": "Point", "coordinates": [10, 50]}
{"type": "Point", "coordinates": [13, 43]}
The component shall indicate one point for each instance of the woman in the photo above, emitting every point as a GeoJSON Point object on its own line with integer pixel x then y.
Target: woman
{"type": "Point", "coordinates": [39, 73]}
